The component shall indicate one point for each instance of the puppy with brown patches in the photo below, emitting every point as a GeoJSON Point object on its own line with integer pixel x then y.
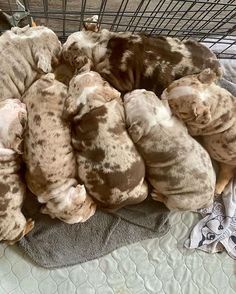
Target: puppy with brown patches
{"type": "Point", "coordinates": [25, 53]}
{"type": "Point", "coordinates": [129, 61]}
{"type": "Point", "coordinates": [209, 112]}
{"type": "Point", "coordinates": [177, 166]}
{"type": "Point", "coordinates": [13, 225]}
{"type": "Point", "coordinates": [108, 163]}
{"type": "Point", "coordinates": [48, 154]}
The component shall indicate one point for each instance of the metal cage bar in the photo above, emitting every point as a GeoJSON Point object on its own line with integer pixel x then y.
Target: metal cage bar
{"type": "Point", "coordinates": [210, 21]}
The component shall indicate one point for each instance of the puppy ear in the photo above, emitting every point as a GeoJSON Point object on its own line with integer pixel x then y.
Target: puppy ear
{"type": "Point", "coordinates": [207, 76]}
{"type": "Point", "coordinates": [91, 24]}
{"type": "Point", "coordinates": [83, 64]}
{"type": "Point", "coordinates": [136, 132]}
{"type": "Point", "coordinates": [201, 112]}
{"type": "Point", "coordinates": [70, 108]}
{"type": "Point", "coordinates": [44, 61]}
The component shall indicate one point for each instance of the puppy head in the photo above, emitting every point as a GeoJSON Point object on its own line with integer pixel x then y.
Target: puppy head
{"type": "Point", "coordinates": [47, 88]}
{"type": "Point", "coordinates": [77, 50]}
{"type": "Point", "coordinates": [188, 98]}
{"type": "Point", "coordinates": [13, 119]}
{"type": "Point", "coordinates": [45, 45]}
{"type": "Point", "coordinates": [143, 110]}
{"type": "Point", "coordinates": [76, 207]}
{"type": "Point", "coordinates": [91, 24]}
{"type": "Point", "coordinates": [90, 90]}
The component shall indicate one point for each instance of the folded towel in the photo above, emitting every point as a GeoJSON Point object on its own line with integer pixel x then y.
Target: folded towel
{"type": "Point", "coordinates": [54, 244]}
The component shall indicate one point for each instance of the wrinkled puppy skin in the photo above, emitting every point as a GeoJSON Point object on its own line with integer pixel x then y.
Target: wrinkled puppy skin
{"type": "Point", "coordinates": [178, 168]}
{"type": "Point", "coordinates": [25, 54]}
{"type": "Point", "coordinates": [129, 61]}
{"type": "Point", "coordinates": [13, 225]}
{"type": "Point", "coordinates": [209, 111]}
{"type": "Point", "coordinates": [48, 154]}
{"type": "Point", "coordinates": [108, 163]}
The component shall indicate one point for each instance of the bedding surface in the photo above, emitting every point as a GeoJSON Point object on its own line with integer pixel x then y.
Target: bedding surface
{"type": "Point", "coordinates": [160, 265]}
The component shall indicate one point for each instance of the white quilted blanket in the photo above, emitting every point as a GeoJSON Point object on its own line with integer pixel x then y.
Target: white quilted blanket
{"type": "Point", "coordinates": [153, 266]}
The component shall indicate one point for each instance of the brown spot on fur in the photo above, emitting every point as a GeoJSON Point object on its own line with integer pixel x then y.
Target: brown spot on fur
{"type": "Point", "coordinates": [96, 154]}
{"type": "Point", "coordinates": [17, 226]}
{"type": "Point", "coordinates": [15, 190]}
{"type": "Point", "coordinates": [118, 129]}
{"type": "Point", "coordinates": [50, 113]}
{"type": "Point", "coordinates": [37, 119]}
{"type": "Point", "coordinates": [88, 127]}
{"type": "Point", "coordinates": [4, 204]}
{"type": "Point", "coordinates": [40, 142]}
{"type": "Point", "coordinates": [4, 188]}
{"type": "Point", "coordinates": [4, 215]}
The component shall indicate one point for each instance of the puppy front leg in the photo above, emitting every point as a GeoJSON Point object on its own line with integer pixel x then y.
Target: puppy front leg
{"type": "Point", "coordinates": [226, 172]}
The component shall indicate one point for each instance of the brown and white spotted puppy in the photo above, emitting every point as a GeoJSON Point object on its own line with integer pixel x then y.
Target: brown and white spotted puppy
{"type": "Point", "coordinates": [13, 225]}
{"type": "Point", "coordinates": [48, 154]}
{"type": "Point", "coordinates": [177, 166]}
{"type": "Point", "coordinates": [208, 111]}
{"type": "Point", "coordinates": [108, 164]}
{"type": "Point", "coordinates": [25, 53]}
{"type": "Point", "coordinates": [130, 61]}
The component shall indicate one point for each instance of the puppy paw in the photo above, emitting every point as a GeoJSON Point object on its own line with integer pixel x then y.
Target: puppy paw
{"type": "Point", "coordinates": [29, 226]}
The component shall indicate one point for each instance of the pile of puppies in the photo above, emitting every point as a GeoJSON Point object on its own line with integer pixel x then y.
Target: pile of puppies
{"type": "Point", "coordinates": [90, 135]}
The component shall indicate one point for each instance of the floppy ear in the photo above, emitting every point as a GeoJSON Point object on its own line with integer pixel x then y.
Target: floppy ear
{"type": "Point", "coordinates": [136, 132]}
{"type": "Point", "coordinates": [70, 108]}
{"type": "Point", "coordinates": [44, 60]}
{"type": "Point", "coordinates": [84, 64]}
{"type": "Point", "coordinates": [207, 76]}
{"type": "Point", "coordinates": [91, 24]}
{"type": "Point", "coordinates": [201, 112]}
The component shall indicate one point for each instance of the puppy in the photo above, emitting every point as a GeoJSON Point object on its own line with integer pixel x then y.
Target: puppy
{"type": "Point", "coordinates": [129, 61]}
{"type": "Point", "coordinates": [13, 225]}
{"type": "Point", "coordinates": [48, 154]}
{"type": "Point", "coordinates": [208, 111]}
{"type": "Point", "coordinates": [26, 53]}
{"type": "Point", "coordinates": [177, 167]}
{"type": "Point", "coordinates": [108, 163]}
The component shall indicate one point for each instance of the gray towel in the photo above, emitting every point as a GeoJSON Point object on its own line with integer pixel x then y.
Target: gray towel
{"type": "Point", "coordinates": [54, 244]}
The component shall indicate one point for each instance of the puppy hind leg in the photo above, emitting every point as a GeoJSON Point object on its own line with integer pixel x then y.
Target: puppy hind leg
{"type": "Point", "coordinates": [226, 173]}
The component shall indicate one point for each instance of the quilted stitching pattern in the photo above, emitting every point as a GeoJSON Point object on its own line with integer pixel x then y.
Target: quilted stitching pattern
{"type": "Point", "coordinates": [152, 266]}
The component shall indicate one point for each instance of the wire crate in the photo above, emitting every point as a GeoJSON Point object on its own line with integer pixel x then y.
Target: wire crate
{"type": "Point", "coordinates": [212, 22]}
